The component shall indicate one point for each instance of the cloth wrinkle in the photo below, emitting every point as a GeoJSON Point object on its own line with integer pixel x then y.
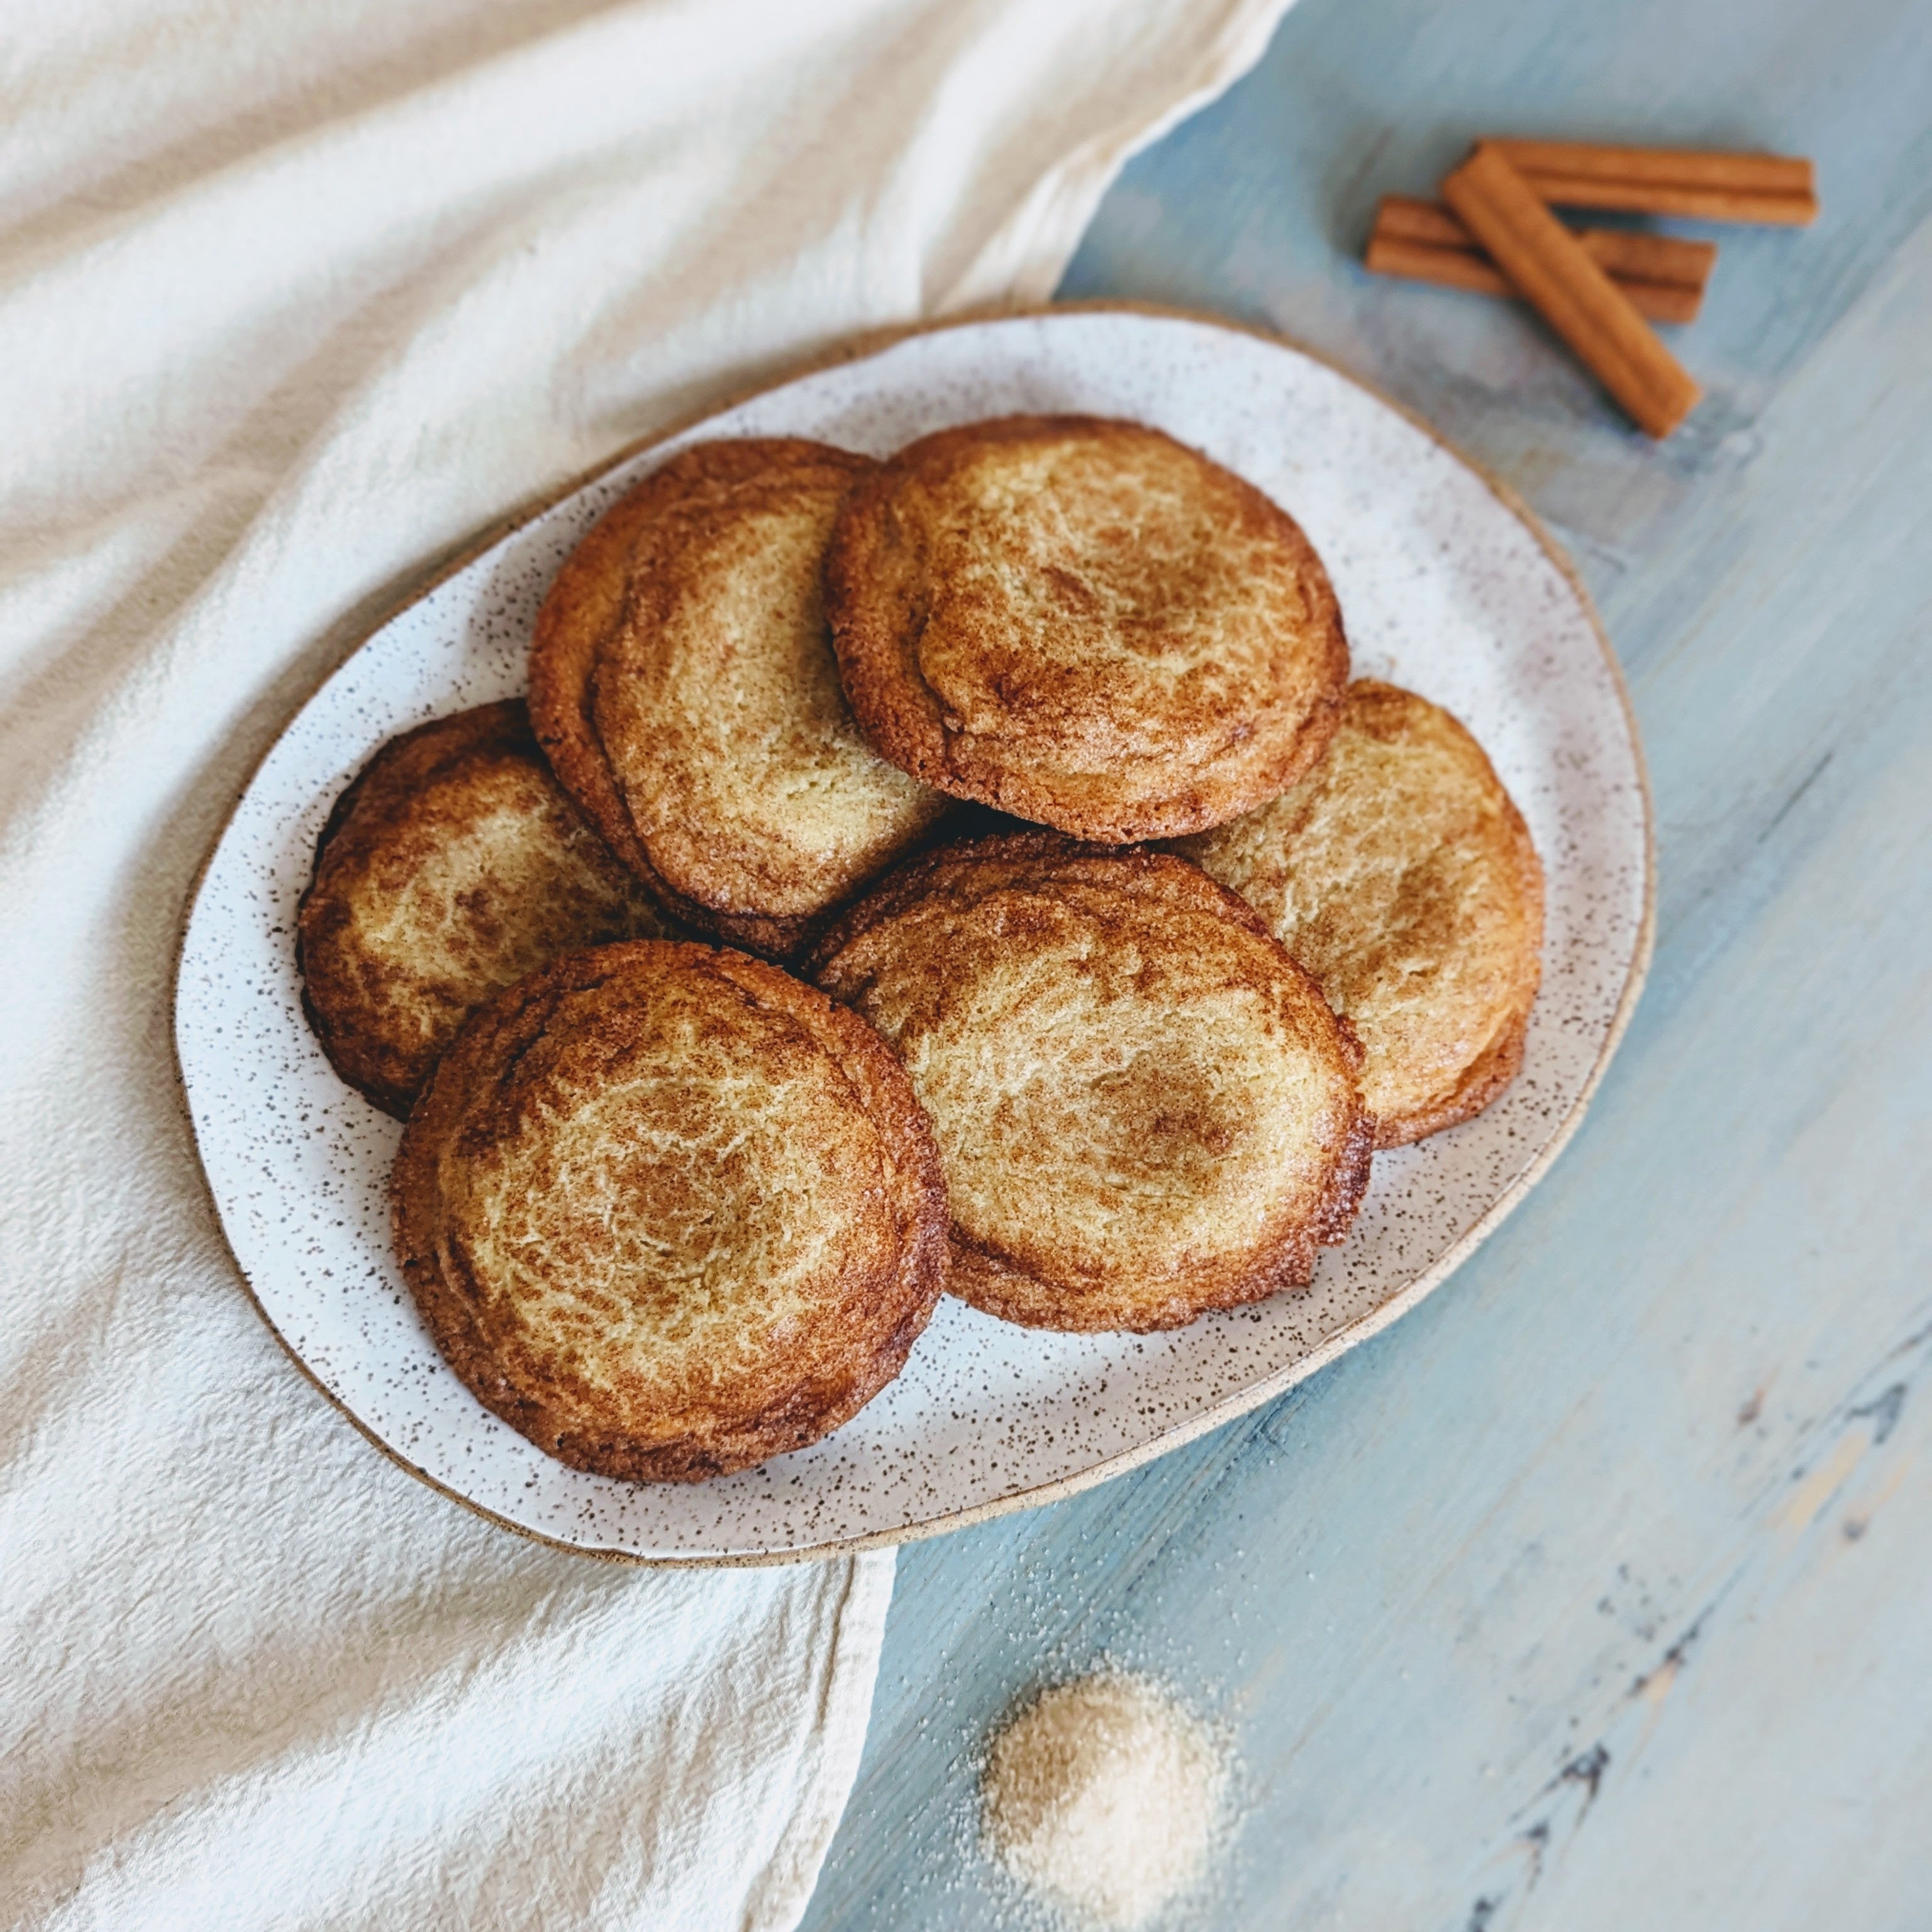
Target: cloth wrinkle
{"type": "Point", "coordinates": [294, 302]}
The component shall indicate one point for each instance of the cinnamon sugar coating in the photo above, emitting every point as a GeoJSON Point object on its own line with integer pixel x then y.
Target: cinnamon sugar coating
{"type": "Point", "coordinates": [669, 1211]}
{"type": "Point", "coordinates": [1145, 1109]}
{"type": "Point", "coordinates": [453, 866]}
{"type": "Point", "coordinates": [683, 684]}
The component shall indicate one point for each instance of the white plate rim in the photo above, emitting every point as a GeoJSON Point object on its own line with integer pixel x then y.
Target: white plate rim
{"type": "Point", "coordinates": [1251, 1396]}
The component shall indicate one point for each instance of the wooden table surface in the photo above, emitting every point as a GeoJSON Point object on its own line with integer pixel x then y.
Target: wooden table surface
{"type": "Point", "coordinates": [1598, 1592]}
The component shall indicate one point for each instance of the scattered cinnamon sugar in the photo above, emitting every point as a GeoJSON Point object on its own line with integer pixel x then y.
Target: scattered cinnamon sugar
{"type": "Point", "coordinates": [1104, 1796]}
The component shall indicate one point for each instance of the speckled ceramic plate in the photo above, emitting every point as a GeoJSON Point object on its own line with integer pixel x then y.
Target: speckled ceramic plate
{"type": "Point", "coordinates": [1445, 586]}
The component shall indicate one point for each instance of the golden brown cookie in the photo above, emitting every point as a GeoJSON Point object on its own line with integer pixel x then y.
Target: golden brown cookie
{"type": "Point", "coordinates": [1400, 873]}
{"type": "Point", "coordinates": [453, 866]}
{"type": "Point", "coordinates": [682, 683]}
{"type": "Point", "coordinates": [1084, 623]}
{"type": "Point", "coordinates": [1144, 1108]}
{"type": "Point", "coordinates": [669, 1211]}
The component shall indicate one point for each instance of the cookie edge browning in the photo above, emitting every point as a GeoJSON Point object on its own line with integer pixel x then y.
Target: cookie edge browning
{"type": "Point", "coordinates": [398, 770]}
{"type": "Point", "coordinates": [977, 1274]}
{"type": "Point", "coordinates": [886, 1097]}
{"type": "Point", "coordinates": [1487, 1077]}
{"type": "Point", "coordinates": [899, 715]}
{"type": "Point", "coordinates": [1489, 1074]}
{"type": "Point", "coordinates": [585, 601]}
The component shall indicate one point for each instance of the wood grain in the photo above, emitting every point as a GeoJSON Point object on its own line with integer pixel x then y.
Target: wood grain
{"type": "Point", "coordinates": [1593, 1594]}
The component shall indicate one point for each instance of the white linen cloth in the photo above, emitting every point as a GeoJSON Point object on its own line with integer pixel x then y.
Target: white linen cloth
{"type": "Point", "coordinates": [293, 298]}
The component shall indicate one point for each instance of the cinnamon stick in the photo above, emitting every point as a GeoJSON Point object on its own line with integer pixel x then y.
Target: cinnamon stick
{"type": "Point", "coordinates": [1578, 300]}
{"type": "Point", "coordinates": [1470, 269]}
{"type": "Point", "coordinates": [1780, 188]}
{"type": "Point", "coordinates": [1621, 253]}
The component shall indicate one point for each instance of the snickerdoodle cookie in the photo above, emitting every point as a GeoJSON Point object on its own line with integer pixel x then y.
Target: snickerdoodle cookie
{"type": "Point", "coordinates": [1085, 623]}
{"type": "Point", "coordinates": [669, 1211]}
{"type": "Point", "coordinates": [682, 683]}
{"type": "Point", "coordinates": [1401, 874]}
{"type": "Point", "coordinates": [1145, 1109]}
{"type": "Point", "coordinates": [453, 866]}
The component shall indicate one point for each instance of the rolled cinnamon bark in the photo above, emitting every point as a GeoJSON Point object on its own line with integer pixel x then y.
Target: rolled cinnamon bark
{"type": "Point", "coordinates": [1470, 269]}
{"type": "Point", "coordinates": [1617, 251]}
{"type": "Point", "coordinates": [1715, 187]}
{"type": "Point", "coordinates": [1578, 300]}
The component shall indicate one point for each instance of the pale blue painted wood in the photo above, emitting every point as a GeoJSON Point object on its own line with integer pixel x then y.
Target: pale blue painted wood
{"type": "Point", "coordinates": [1598, 1593]}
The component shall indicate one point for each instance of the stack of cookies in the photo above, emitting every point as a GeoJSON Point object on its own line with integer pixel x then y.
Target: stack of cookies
{"type": "Point", "coordinates": [974, 871]}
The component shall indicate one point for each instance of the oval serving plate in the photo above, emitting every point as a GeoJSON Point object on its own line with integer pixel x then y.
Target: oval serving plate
{"type": "Point", "coordinates": [1445, 586]}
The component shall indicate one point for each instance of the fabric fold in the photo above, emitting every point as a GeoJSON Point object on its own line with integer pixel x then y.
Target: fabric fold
{"type": "Point", "coordinates": [293, 302]}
